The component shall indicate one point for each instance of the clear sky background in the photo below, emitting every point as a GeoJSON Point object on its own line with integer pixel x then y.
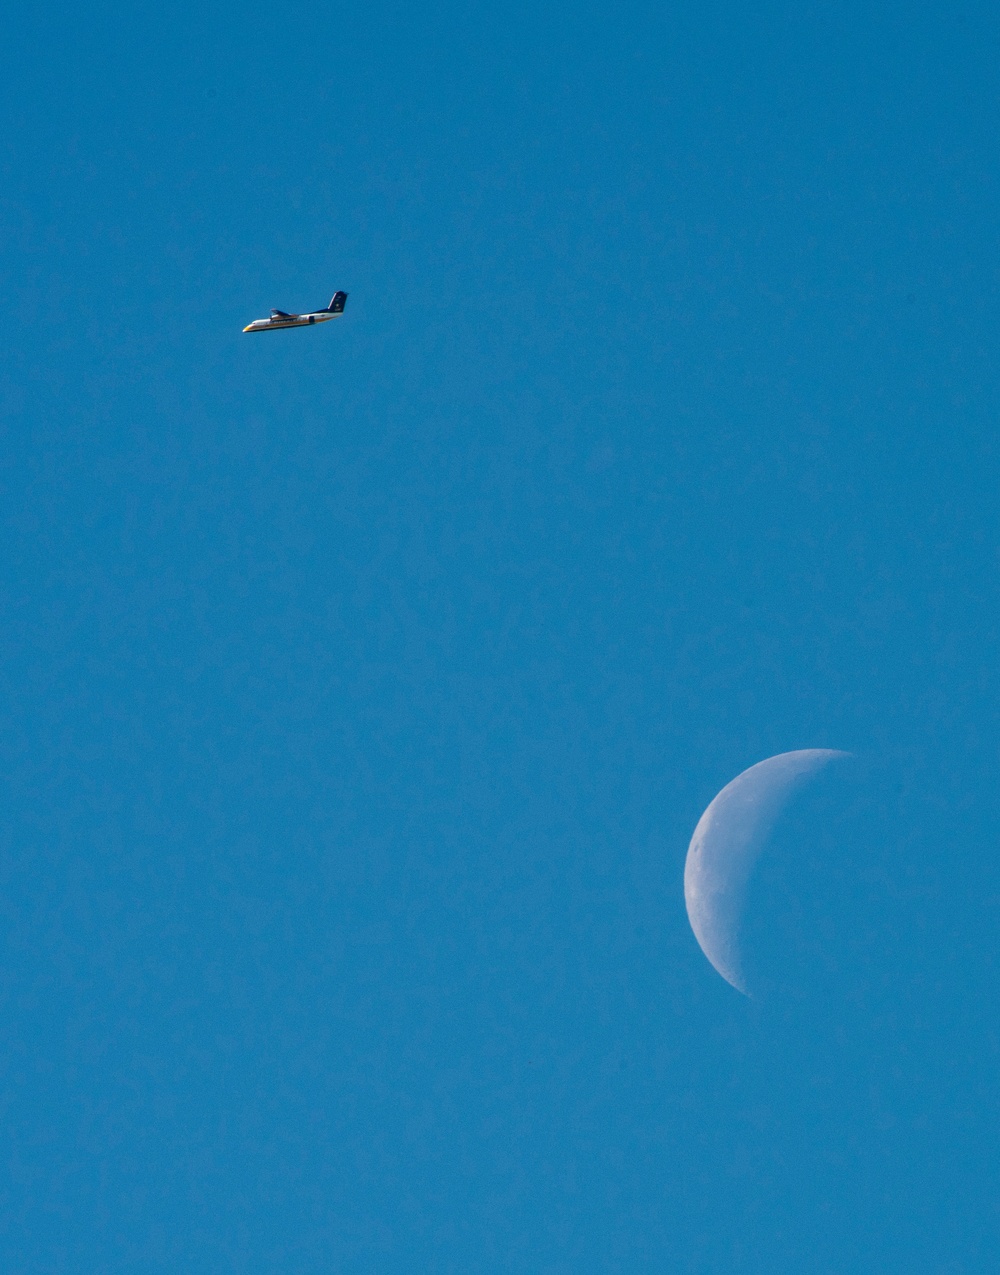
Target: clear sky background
{"type": "Point", "coordinates": [362, 685]}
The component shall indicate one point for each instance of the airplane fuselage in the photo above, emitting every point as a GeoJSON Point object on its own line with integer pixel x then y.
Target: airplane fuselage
{"type": "Point", "coordinates": [293, 321]}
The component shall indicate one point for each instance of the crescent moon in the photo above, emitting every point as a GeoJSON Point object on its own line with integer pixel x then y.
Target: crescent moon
{"type": "Point", "coordinates": [726, 845]}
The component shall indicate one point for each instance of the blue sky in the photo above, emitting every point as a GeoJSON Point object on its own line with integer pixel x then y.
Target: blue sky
{"type": "Point", "coordinates": [362, 685]}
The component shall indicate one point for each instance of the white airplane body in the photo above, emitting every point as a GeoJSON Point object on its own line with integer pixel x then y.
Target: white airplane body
{"type": "Point", "coordinates": [279, 318]}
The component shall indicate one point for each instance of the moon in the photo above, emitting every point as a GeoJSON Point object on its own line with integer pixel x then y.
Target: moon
{"type": "Point", "coordinates": [727, 844]}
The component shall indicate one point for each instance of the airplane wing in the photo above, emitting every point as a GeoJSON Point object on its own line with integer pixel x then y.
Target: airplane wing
{"type": "Point", "coordinates": [282, 314]}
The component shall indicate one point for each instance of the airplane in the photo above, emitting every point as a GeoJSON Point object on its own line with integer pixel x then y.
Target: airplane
{"type": "Point", "coordinates": [280, 319]}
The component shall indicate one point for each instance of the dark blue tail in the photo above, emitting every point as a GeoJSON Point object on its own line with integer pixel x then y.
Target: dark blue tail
{"type": "Point", "coordinates": [336, 306]}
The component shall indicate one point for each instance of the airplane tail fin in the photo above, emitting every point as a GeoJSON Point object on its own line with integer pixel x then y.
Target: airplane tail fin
{"type": "Point", "coordinates": [336, 306]}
